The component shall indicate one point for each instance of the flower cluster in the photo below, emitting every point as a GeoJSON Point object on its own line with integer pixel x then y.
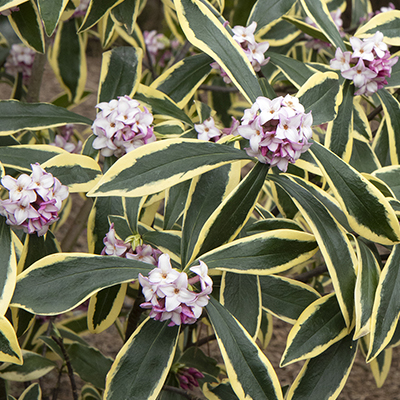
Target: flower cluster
{"type": "Point", "coordinates": [34, 201]}
{"type": "Point", "coordinates": [117, 247]}
{"type": "Point", "coordinates": [207, 130]}
{"type": "Point", "coordinates": [20, 59]}
{"type": "Point", "coordinates": [367, 66]}
{"type": "Point", "coordinates": [154, 42]}
{"type": "Point", "coordinates": [254, 51]}
{"type": "Point", "coordinates": [168, 295]}
{"type": "Point", "coordinates": [318, 44]}
{"type": "Point", "coordinates": [8, 12]}
{"type": "Point", "coordinates": [278, 130]}
{"type": "Point", "coordinates": [121, 126]}
{"type": "Point", "coordinates": [188, 377]}
{"type": "Point", "coordinates": [64, 137]}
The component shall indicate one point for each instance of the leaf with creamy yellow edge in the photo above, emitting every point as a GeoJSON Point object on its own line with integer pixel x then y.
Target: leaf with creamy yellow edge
{"type": "Point", "coordinates": [157, 166]}
{"type": "Point", "coordinates": [204, 30]}
{"type": "Point", "coordinates": [250, 373]}
{"type": "Point", "coordinates": [150, 348]}
{"type": "Point", "coordinates": [368, 212]}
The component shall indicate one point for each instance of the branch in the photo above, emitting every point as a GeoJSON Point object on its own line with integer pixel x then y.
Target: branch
{"type": "Point", "coordinates": [69, 367]}
{"type": "Point", "coordinates": [200, 342]}
{"type": "Point", "coordinates": [304, 277]}
{"type": "Point", "coordinates": [378, 109]}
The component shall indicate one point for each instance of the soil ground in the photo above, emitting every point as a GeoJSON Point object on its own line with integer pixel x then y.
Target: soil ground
{"type": "Point", "coordinates": [360, 385]}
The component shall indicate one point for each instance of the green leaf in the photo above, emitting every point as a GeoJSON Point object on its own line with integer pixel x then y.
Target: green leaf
{"type": "Point", "coordinates": [132, 207]}
{"type": "Point", "coordinates": [160, 103]}
{"type": "Point", "coordinates": [151, 348]}
{"type": "Point", "coordinates": [20, 157]}
{"type": "Point", "coordinates": [8, 262]}
{"type": "Point", "coordinates": [286, 298]}
{"type": "Point", "coordinates": [366, 285]}
{"type": "Point", "coordinates": [203, 29]}
{"type": "Point", "coordinates": [194, 357]}
{"type": "Point", "coordinates": [391, 108]}
{"type": "Point", "coordinates": [28, 25]}
{"type": "Point", "coordinates": [339, 132]}
{"type": "Point", "coordinates": [89, 364]}
{"type": "Point", "coordinates": [249, 371]}
{"type": "Point", "coordinates": [363, 158]}
{"type": "Point", "coordinates": [50, 11]}
{"type": "Point", "coordinates": [264, 253]}
{"type": "Point", "coordinates": [121, 70]}
{"type": "Point", "coordinates": [390, 176]}
{"type": "Point", "coordinates": [380, 366]}
{"type": "Point", "coordinates": [80, 173]}
{"type": "Point", "coordinates": [32, 392]}
{"type": "Point", "coordinates": [9, 347]}
{"type": "Point", "coordinates": [387, 23]}
{"type": "Point", "coordinates": [368, 212]}
{"type": "Point", "coordinates": [266, 12]}
{"type": "Point", "coordinates": [228, 219]}
{"type": "Point", "coordinates": [319, 326]}
{"type": "Point", "coordinates": [240, 295]}
{"type": "Point", "coordinates": [104, 308]}
{"type": "Point", "coordinates": [68, 59]}
{"type": "Point", "coordinates": [181, 81]}
{"type": "Point", "coordinates": [16, 116]}
{"type": "Point", "coordinates": [324, 376]}
{"type": "Point", "coordinates": [98, 223]}
{"type": "Point", "coordinates": [394, 79]}
{"type": "Point", "coordinates": [320, 94]}
{"type": "Point", "coordinates": [34, 367]}
{"type": "Point", "coordinates": [271, 224]}
{"type": "Point", "coordinates": [381, 145]}
{"type": "Point", "coordinates": [319, 13]}
{"type": "Point", "coordinates": [166, 241]}
{"type": "Point", "coordinates": [52, 274]}
{"type": "Point", "coordinates": [386, 307]}
{"type": "Point", "coordinates": [296, 71]}
{"type": "Point", "coordinates": [223, 391]}
{"type": "Point", "coordinates": [205, 194]}
{"type": "Point", "coordinates": [96, 10]}
{"type": "Point", "coordinates": [126, 13]}
{"type": "Point", "coordinates": [152, 168]}
{"type": "Point", "coordinates": [175, 200]}
{"type": "Point", "coordinates": [88, 392]}
{"type": "Point", "coordinates": [335, 247]}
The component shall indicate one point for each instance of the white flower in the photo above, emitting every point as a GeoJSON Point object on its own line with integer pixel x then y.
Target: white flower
{"type": "Point", "coordinates": [378, 45]}
{"type": "Point", "coordinates": [341, 60]}
{"type": "Point", "coordinates": [207, 130]}
{"type": "Point", "coordinates": [202, 271]}
{"type": "Point", "coordinates": [243, 34]}
{"type": "Point", "coordinates": [362, 49]}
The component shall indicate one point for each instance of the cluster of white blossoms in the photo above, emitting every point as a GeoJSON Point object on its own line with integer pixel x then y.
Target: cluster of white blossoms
{"type": "Point", "coordinates": [34, 201]}
{"type": "Point", "coordinates": [278, 130]}
{"type": "Point", "coordinates": [367, 66]}
{"type": "Point", "coordinates": [117, 247]}
{"type": "Point", "coordinates": [64, 139]}
{"type": "Point", "coordinates": [20, 59]}
{"type": "Point", "coordinates": [169, 296]}
{"type": "Point", "coordinates": [207, 130]}
{"type": "Point", "coordinates": [254, 51]}
{"type": "Point", "coordinates": [121, 126]}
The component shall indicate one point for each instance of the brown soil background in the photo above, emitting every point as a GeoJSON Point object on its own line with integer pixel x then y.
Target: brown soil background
{"type": "Point", "coordinates": [360, 384]}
